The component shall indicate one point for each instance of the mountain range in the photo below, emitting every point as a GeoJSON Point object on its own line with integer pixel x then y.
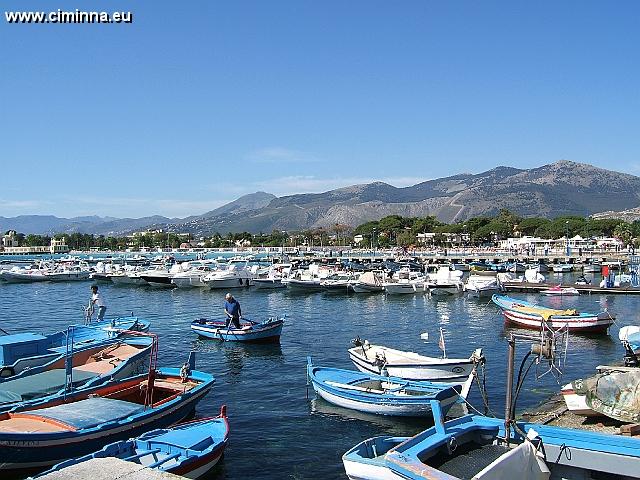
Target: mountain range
{"type": "Point", "coordinates": [560, 188]}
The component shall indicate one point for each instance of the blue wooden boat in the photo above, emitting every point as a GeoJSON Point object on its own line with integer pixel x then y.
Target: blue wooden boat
{"type": "Point", "coordinates": [44, 434]}
{"type": "Point", "coordinates": [189, 449]}
{"type": "Point", "coordinates": [379, 394]}
{"type": "Point", "coordinates": [24, 354]}
{"type": "Point", "coordinates": [93, 366]}
{"type": "Point", "coordinates": [473, 446]}
{"type": "Point", "coordinates": [249, 331]}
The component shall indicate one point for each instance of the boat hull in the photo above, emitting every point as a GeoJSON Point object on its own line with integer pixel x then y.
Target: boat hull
{"type": "Point", "coordinates": [366, 288]}
{"type": "Point", "coordinates": [229, 283]}
{"type": "Point", "coordinates": [266, 332]}
{"type": "Point", "coordinates": [21, 451]}
{"type": "Point", "coordinates": [268, 283]}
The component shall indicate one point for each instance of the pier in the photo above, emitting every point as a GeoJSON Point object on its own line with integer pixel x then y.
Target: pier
{"type": "Point", "coordinates": [109, 469]}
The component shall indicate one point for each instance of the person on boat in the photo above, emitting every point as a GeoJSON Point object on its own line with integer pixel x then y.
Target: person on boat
{"type": "Point", "coordinates": [232, 310]}
{"type": "Point", "coordinates": [98, 301]}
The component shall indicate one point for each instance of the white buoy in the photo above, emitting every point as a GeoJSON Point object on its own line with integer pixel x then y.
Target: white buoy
{"type": "Point", "coordinates": [424, 336]}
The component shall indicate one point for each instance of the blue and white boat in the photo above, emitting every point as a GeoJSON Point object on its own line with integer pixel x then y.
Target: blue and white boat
{"type": "Point", "coordinates": [249, 331]}
{"type": "Point", "coordinates": [189, 449]}
{"type": "Point", "coordinates": [88, 368]}
{"type": "Point", "coordinates": [473, 446]}
{"type": "Point", "coordinates": [42, 435]}
{"type": "Point", "coordinates": [25, 354]}
{"type": "Point", "coordinates": [379, 394]}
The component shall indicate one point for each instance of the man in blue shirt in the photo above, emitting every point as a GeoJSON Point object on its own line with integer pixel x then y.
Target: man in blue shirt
{"type": "Point", "coordinates": [232, 310]}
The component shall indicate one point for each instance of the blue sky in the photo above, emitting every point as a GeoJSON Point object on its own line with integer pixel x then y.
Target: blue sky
{"type": "Point", "coordinates": [199, 102]}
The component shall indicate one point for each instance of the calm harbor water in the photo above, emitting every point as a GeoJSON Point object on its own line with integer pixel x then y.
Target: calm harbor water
{"type": "Point", "coordinates": [278, 430]}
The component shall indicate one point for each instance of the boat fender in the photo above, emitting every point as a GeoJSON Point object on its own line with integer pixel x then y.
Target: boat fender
{"type": "Point", "coordinates": [7, 372]}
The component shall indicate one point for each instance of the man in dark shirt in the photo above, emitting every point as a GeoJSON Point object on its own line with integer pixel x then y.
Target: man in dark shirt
{"type": "Point", "coordinates": [232, 310]}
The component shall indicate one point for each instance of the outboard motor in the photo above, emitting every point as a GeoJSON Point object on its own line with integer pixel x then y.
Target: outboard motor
{"type": "Point", "coordinates": [630, 358]}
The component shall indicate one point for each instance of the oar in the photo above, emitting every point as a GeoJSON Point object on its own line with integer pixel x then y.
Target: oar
{"type": "Point", "coordinates": [4, 331]}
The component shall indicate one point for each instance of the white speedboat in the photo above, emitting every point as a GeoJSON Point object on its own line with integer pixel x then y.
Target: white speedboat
{"type": "Point", "coordinates": [445, 282]}
{"type": "Point", "coordinates": [559, 290]}
{"type": "Point", "coordinates": [128, 277]}
{"type": "Point", "coordinates": [65, 273]}
{"type": "Point", "coordinates": [369, 282]}
{"type": "Point", "coordinates": [562, 268]}
{"type": "Point", "coordinates": [382, 360]}
{"type": "Point", "coordinates": [339, 282]}
{"type": "Point", "coordinates": [23, 275]}
{"type": "Point", "coordinates": [481, 286]}
{"type": "Point", "coordinates": [234, 276]}
{"type": "Point", "coordinates": [193, 277]}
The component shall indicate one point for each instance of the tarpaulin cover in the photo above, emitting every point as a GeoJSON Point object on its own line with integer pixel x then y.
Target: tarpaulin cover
{"type": "Point", "coordinates": [613, 393]}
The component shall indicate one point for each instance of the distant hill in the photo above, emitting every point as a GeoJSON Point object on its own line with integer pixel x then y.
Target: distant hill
{"type": "Point", "coordinates": [561, 188]}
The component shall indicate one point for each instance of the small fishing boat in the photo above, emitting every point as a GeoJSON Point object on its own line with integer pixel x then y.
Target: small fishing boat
{"type": "Point", "coordinates": [379, 394]}
{"type": "Point", "coordinates": [473, 446]}
{"type": "Point", "coordinates": [528, 315]}
{"type": "Point", "coordinates": [249, 331]}
{"type": "Point", "coordinates": [40, 436]}
{"type": "Point", "coordinates": [189, 449]}
{"type": "Point", "coordinates": [25, 354]}
{"type": "Point", "coordinates": [377, 359]}
{"type": "Point", "coordinates": [77, 370]}
{"type": "Point", "coordinates": [559, 290]}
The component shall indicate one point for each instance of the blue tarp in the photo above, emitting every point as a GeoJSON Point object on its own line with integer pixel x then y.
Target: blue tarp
{"type": "Point", "coordinates": [90, 412]}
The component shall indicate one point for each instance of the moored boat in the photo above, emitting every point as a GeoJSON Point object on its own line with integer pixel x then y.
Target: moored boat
{"type": "Point", "coordinates": [528, 315]}
{"type": "Point", "coordinates": [85, 421]}
{"type": "Point", "coordinates": [378, 394]}
{"type": "Point", "coordinates": [249, 331]}
{"type": "Point", "coordinates": [380, 360]}
{"type": "Point", "coordinates": [559, 290]}
{"type": "Point", "coordinates": [189, 449]}
{"type": "Point", "coordinates": [369, 282]}
{"type": "Point", "coordinates": [473, 446]}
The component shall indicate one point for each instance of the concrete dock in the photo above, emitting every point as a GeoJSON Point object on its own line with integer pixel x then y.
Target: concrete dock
{"type": "Point", "coordinates": [109, 469]}
{"type": "Point", "coordinates": [583, 289]}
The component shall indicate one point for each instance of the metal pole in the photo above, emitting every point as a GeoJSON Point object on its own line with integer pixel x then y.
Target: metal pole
{"type": "Point", "coordinates": [509, 399]}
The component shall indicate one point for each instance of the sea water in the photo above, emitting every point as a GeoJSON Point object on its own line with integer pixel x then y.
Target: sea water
{"type": "Point", "coordinates": [278, 429]}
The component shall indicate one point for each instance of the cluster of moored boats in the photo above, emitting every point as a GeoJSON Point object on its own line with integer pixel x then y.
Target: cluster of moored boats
{"type": "Point", "coordinates": [480, 447]}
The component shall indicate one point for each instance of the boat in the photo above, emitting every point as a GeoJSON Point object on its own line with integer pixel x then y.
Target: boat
{"type": "Point", "coordinates": [190, 449]}
{"type": "Point", "coordinates": [233, 276]}
{"type": "Point", "coordinates": [269, 283]}
{"type": "Point", "coordinates": [481, 286]}
{"type": "Point", "coordinates": [339, 282]}
{"type": "Point", "coordinates": [559, 290]}
{"type": "Point", "coordinates": [160, 276]}
{"type": "Point", "coordinates": [378, 394]}
{"type": "Point", "coordinates": [528, 315]}
{"type": "Point", "coordinates": [32, 273]}
{"type": "Point", "coordinates": [562, 268]}
{"type": "Point", "coordinates": [193, 277]}
{"type": "Point", "coordinates": [593, 267]}
{"type": "Point", "coordinates": [249, 331]}
{"type": "Point", "coordinates": [473, 446]}
{"type": "Point", "coordinates": [77, 370]}
{"type": "Point", "coordinates": [25, 354]}
{"type": "Point", "coordinates": [445, 281]}
{"type": "Point", "coordinates": [405, 281]}
{"type": "Point", "coordinates": [369, 282]}
{"type": "Point", "coordinates": [66, 273]}
{"type": "Point", "coordinates": [33, 437]}
{"type": "Point", "coordinates": [128, 277]}
{"type": "Point", "coordinates": [271, 277]}
{"type": "Point", "coordinates": [380, 360]}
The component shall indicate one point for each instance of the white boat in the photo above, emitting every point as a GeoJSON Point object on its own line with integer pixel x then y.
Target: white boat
{"type": "Point", "coordinates": [481, 286]}
{"type": "Point", "coordinates": [23, 275]}
{"type": "Point", "coordinates": [341, 282]}
{"type": "Point", "coordinates": [271, 278]}
{"type": "Point", "coordinates": [593, 267]}
{"type": "Point", "coordinates": [445, 282]}
{"type": "Point", "coordinates": [562, 268]}
{"type": "Point", "coordinates": [128, 277]}
{"type": "Point", "coordinates": [406, 281]}
{"type": "Point", "coordinates": [65, 273]}
{"type": "Point", "coordinates": [382, 360]}
{"type": "Point", "coordinates": [369, 282]}
{"type": "Point", "coordinates": [161, 276]}
{"type": "Point", "coordinates": [233, 276]}
{"type": "Point", "coordinates": [194, 276]}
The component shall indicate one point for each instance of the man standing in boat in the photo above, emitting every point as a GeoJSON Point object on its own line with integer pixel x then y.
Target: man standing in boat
{"type": "Point", "coordinates": [97, 300]}
{"type": "Point", "coordinates": [232, 310]}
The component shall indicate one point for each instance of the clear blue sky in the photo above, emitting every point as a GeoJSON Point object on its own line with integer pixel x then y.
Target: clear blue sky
{"type": "Point", "coordinates": [199, 102]}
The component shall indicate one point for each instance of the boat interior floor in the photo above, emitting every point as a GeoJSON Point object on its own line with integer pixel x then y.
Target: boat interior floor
{"type": "Point", "coordinates": [470, 458]}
